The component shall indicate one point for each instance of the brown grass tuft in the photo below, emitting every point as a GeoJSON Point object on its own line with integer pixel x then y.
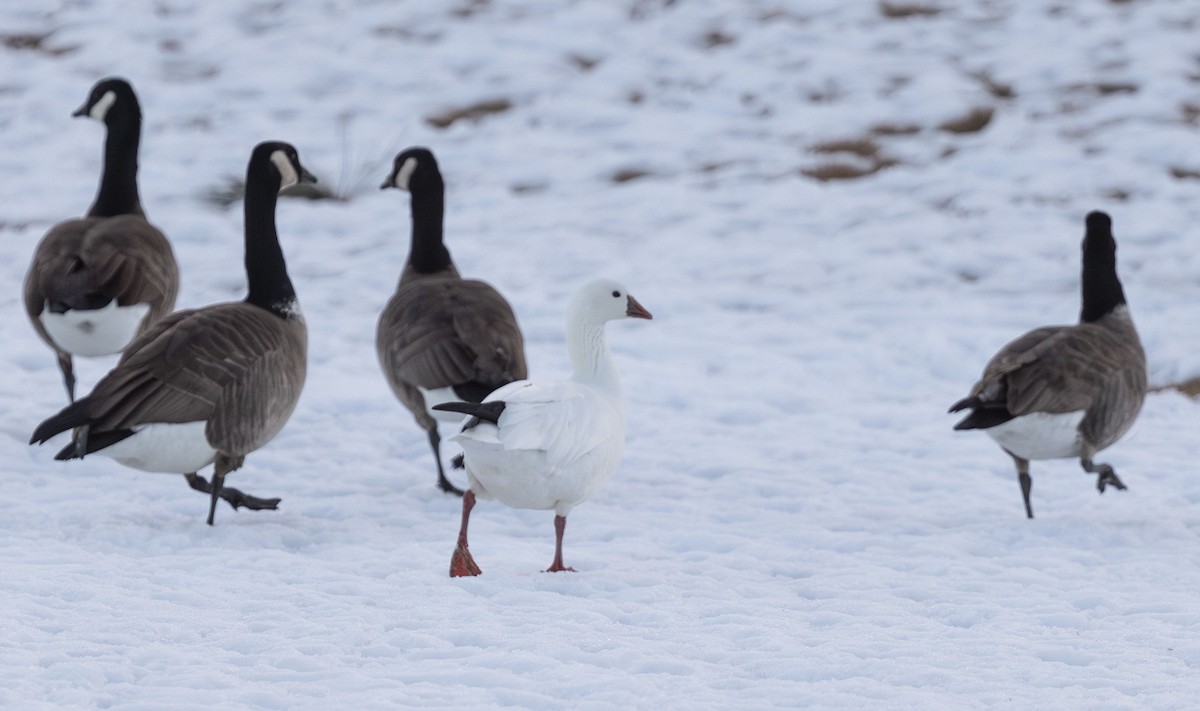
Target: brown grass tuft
{"type": "Point", "coordinates": [847, 171]}
{"type": "Point", "coordinates": [1190, 388]}
{"type": "Point", "coordinates": [474, 112]}
{"type": "Point", "coordinates": [973, 121]}
{"type": "Point", "coordinates": [895, 129]}
{"type": "Point", "coordinates": [626, 175]}
{"type": "Point", "coordinates": [904, 10]}
{"type": "Point", "coordinates": [863, 147]}
{"type": "Point", "coordinates": [31, 42]}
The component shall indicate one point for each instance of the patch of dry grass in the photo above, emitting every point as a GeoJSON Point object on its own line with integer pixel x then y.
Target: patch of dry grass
{"type": "Point", "coordinates": [973, 121]}
{"type": "Point", "coordinates": [474, 112]}
{"type": "Point", "coordinates": [33, 42]}
{"type": "Point", "coordinates": [905, 10]}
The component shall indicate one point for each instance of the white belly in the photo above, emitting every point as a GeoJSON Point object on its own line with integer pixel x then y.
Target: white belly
{"type": "Point", "coordinates": [524, 479]}
{"type": "Point", "coordinates": [170, 448]}
{"type": "Point", "coordinates": [94, 332]}
{"type": "Point", "coordinates": [1040, 435]}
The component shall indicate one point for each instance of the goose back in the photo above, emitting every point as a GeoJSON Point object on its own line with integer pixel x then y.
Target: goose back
{"type": "Point", "coordinates": [1096, 367]}
{"type": "Point", "coordinates": [235, 366]}
{"type": "Point", "coordinates": [86, 263]}
{"type": "Point", "coordinates": [442, 331]}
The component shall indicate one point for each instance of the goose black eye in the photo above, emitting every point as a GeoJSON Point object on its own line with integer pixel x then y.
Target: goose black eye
{"type": "Point", "coordinates": [616, 294]}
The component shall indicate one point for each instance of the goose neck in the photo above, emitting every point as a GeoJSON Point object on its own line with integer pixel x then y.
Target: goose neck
{"type": "Point", "coordinates": [591, 361]}
{"type": "Point", "coordinates": [118, 193]}
{"type": "Point", "coordinates": [266, 270]}
{"type": "Point", "coordinates": [1101, 288]}
{"type": "Point", "coordinates": [428, 254]}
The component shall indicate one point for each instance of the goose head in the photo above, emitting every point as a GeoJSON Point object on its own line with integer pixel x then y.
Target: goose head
{"type": "Point", "coordinates": [413, 169]}
{"type": "Point", "coordinates": [1102, 292]}
{"type": "Point", "coordinates": [1098, 238]}
{"type": "Point", "coordinates": [109, 100]}
{"type": "Point", "coordinates": [281, 161]}
{"type": "Point", "coordinates": [605, 300]}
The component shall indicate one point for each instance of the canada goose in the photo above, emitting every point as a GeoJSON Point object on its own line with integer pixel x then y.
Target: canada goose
{"type": "Point", "coordinates": [550, 445]}
{"type": "Point", "coordinates": [98, 281]}
{"type": "Point", "coordinates": [1067, 391]}
{"type": "Point", "coordinates": [211, 384]}
{"type": "Point", "coordinates": [441, 338]}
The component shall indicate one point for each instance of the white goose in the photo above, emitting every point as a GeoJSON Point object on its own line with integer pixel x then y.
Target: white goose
{"type": "Point", "coordinates": [550, 445]}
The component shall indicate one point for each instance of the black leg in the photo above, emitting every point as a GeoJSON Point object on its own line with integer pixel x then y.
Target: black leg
{"type": "Point", "coordinates": [68, 373]}
{"type": "Point", "coordinates": [224, 464]}
{"type": "Point", "coordinates": [218, 483]}
{"type": "Point", "coordinates": [1026, 486]}
{"type": "Point", "coordinates": [443, 483]}
{"type": "Point", "coordinates": [79, 438]}
{"type": "Point", "coordinates": [1026, 481]}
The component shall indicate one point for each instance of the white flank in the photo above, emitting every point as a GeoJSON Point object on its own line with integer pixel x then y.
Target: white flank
{"type": "Point", "coordinates": [94, 332]}
{"type": "Point", "coordinates": [169, 448]}
{"type": "Point", "coordinates": [287, 171]}
{"type": "Point", "coordinates": [102, 105]}
{"type": "Point", "coordinates": [1040, 435]}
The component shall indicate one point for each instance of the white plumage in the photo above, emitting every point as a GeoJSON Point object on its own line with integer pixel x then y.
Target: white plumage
{"type": "Point", "coordinates": [550, 445]}
{"type": "Point", "coordinates": [554, 446]}
{"type": "Point", "coordinates": [1040, 435]}
{"type": "Point", "coordinates": [94, 332]}
{"type": "Point", "coordinates": [169, 448]}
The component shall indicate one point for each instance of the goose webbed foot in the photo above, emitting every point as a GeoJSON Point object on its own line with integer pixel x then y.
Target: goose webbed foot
{"type": "Point", "coordinates": [462, 565]}
{"type": "Point", "coordinates": [1105, 476]}
{"type": "Point", "coordinates": [1109, 479]}
{"type": "Point", "coordinates": [234, 497]}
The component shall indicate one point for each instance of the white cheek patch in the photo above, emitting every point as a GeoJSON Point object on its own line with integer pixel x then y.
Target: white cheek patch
{"type": "Point", "coordinates": [102, 105]}
{"type": "Point", "coordinates": [287, 171]}
{"type": "Point", "coordinates": [405, 173]}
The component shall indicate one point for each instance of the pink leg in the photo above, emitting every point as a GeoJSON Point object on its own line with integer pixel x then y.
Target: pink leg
{"type": "Point", "coordinates": [560, 524]}
{"type": "Point", "coordinates": [461, 563]}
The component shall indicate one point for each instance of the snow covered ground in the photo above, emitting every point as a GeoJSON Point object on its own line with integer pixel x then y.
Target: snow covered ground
{"type": "Point", "coordinates": [836, 211]}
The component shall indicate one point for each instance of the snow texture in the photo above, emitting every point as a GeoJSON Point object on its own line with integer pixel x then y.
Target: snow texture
{"type": "Point", "coordinates": [837, 212]}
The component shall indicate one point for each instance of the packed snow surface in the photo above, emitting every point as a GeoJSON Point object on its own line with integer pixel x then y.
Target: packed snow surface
{"type": "Point", "coordinates": [837, 212]}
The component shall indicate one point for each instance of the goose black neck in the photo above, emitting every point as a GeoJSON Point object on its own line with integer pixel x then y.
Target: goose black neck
{"type": "Point", "coordinates": [428, 254]}
{"type": "Point", "coordinates": [1102, 290]}
{"type": "Point", "coordinates": [266, 271]}
{"type": "Point", "coordinates": [118, 194]}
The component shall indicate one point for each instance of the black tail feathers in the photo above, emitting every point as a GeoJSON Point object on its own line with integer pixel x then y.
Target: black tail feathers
{"type": "Point", "coordinates": [486, 411]}
{"type": "Point", "coordinates": [69, 417]}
